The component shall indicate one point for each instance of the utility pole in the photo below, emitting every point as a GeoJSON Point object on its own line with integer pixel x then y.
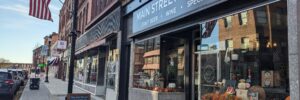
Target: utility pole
{"type": "Point", "coordinates": [73, 41]}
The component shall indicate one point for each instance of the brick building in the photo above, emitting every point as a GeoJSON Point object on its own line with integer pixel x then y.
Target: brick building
{"type": "Point", "coordinates": [98, 29]}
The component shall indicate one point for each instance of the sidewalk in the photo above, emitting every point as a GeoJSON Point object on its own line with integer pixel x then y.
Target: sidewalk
{"type": "Point", "coordinates": [59, 89]}
{"type": "Point", "coordinates": [42, 94]}
{"type": "Point", "coordinates": [56, 89]}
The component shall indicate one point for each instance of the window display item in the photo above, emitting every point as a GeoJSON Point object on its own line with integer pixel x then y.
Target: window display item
{"type": "Point", "coordinates": [172, 85]}
{"type": "Point", "coordinates": [230, 90]}
{"type": "Point", "coordinates": [234, 56]}
{"type": "Point", "coordinates": [241, 93]}
{"type": "Point", "coordinates": [253, 95]}
{"type": "Point", "coordinates": [277, 79]}
{"type": "Point", "coordinates": [257, 89]}
{"type": "Point", "coordinates": [243, 84]}
{"type": "Point", "coordinates": [267, 79]}
{"type": "Point", "coordinates": [288, 98]}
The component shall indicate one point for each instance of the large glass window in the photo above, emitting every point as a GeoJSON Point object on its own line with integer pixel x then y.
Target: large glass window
{"type": "Point", "coordinates": [156, 71]}
{"type": "Point", "coordinates": [249, 62]}
{"type": "Point", "coordinates": [92, 69]}
{"type": "Point", "coordinates": [79, 70]}
{"type": "Point", "coordinates": [146, 65]}
{"type": "Point", "coordinates": [112, 63]}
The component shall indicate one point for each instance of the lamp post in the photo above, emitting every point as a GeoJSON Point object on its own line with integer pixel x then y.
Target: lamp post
{"type": "Point", "coordinates": [73, 41]}
{"type": "Point", "coordinates": [47, 68]}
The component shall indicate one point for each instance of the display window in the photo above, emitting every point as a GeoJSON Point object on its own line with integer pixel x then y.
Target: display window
{"type": "Point", "coordinates": [112, 63]}
{"type": "Point", "coordinates": [159, 72]}
{"type": "Point", "coordinates": [249, 59]}
{"type": "Point", "coordinates": [91, 71]}
{"type": "Point", "coordinates": [79, 70]}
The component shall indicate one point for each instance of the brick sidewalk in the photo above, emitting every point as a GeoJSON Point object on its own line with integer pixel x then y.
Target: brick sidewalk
{"type": "Point", "coordinates": [56, 89]}
{"type": "Point", "coordinates": [41, 94]}
{"type": "Point", "coordinates": [59, 88]}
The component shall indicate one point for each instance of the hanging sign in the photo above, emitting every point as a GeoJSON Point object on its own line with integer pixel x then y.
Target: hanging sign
{"type": "Point", "coordinates": [44, 50]}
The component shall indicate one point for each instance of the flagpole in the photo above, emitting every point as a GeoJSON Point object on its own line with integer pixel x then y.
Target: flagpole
{"type": "Point", "coordinates": [73, 41]}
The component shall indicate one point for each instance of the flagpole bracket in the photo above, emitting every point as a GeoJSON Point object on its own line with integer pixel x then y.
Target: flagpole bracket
{"type": "Point", "coordinates": [73, 33]}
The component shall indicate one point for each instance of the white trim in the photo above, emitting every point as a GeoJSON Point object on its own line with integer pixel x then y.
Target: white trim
{"type": "Point", "coordinates": [85, 90]}
{"type": "Point", "coordinates": [85, 84]}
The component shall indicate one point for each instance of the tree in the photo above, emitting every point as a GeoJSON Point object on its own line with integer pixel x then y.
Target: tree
{"type": "Point", "coordinates": [2, 60]}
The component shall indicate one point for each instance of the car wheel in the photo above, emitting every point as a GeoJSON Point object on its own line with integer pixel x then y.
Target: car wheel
{"type": "Point", "coordinates": [22, 83]}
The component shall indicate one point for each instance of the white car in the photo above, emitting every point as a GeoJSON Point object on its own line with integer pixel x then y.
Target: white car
{"type": "Point", "coordinates": [18, 73]}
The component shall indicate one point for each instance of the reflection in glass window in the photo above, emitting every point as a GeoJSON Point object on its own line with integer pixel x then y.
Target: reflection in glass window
{"type": "Point", "coordinates": [79, 70]}
{"type": "Point", "coordinates": [228, 21]}
{"type": "Point", "coordinates": [92, 70]}
{"type": "Point", "coordinates": [255, 57]}
{"type": "Point", "coordinates": [112, 63]}
{"type": "Point", "coordinates": [243, 18]}
{"type": "Point", "coordinates": [149, 73]}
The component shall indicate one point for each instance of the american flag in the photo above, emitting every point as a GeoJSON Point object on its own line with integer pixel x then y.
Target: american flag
{"type": "Point", "coordinates": [40, 9]}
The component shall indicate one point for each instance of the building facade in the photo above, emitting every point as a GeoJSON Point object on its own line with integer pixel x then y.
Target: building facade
{"type": "Point", "coordinates": [199, 50]}
{"type": "Point", "coordinates": [187, 49]}
{"type": "Point", "coordinates": [97, 47]}
{"type": "Point", "coordinates": [97, 50]}
{"type": "Point", "coordinates": [64, 30]}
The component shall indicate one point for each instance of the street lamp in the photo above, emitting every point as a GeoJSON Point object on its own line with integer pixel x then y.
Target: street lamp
{"type": "Point", "coordinates": [47, 68]}
{"type": "Point", "coordinates": [73, 41]}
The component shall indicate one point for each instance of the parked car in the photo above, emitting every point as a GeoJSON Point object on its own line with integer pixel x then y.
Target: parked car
{"type": "Point", "coordinates": [21, 75]}
{"type": "Point", "coordinates": [8, 86]}
{"type": "Point", "coordinates": [25, 74]}
{"type": "Point", "coordinates": [16, 76]}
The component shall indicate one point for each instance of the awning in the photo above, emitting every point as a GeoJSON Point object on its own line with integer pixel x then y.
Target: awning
{"type": "Point", "coordinates": [151, 66]}
{"type": "Point", "coordinates": [152, 53]}
{"type": "Point", "coordinates": [90, 46]}
{"type": "Point", "coordinates": [53, 61]}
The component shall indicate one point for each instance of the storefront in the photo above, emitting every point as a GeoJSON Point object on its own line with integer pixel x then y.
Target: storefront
{"type": "Point", "coordinates": [204, 50]}
{"type": "Point", "coordinates": [97, 56]}
{"type": "Point", "coordinates": [57, 52]}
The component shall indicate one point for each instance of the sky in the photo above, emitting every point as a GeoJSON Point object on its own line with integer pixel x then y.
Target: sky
{"type": "Point", "coordinates": [20, 33]}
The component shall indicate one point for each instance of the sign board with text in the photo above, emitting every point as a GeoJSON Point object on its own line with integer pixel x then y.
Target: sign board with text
{"type": "Point", "coordinates": [61, 44]}
{"type": "Point", "coordinates": [79, 96]}
{"type": "Point", "coordinates": [158, 12]}
{"type": "Point", "coordinates": [44, 50]}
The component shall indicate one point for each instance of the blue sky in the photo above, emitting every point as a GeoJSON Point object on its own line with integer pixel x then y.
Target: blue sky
{"type": "Point", "coordinates": [20, 33]}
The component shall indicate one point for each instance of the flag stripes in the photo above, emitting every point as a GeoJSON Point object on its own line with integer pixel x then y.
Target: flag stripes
{"type": "Point", "coordinates": [40, 9]}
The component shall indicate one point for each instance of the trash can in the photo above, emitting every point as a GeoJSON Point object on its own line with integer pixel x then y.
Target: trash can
{"type": "Point", "coordinates": [34, 83]}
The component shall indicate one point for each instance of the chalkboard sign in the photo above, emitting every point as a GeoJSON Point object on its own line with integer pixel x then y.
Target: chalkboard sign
{"type": "Point", "coordinates": [79, 96]}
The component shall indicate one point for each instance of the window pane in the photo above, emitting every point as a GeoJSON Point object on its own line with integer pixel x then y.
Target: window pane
{"type": "Point", "coordinates": [146, 64]}
{"type": "Point", "coordinates": [247, 59]}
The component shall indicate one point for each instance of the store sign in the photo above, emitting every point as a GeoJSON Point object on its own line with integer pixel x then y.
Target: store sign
{"type": "Point", "coordinates": [44, 50]}
{"type": "Point", "coordinates": [163, 11]}
{"type": "Point", "coordinates": [61, 44]}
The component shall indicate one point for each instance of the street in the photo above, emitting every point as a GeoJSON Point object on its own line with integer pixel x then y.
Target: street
{"type": "Point", "coordinates": [16, 96]}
